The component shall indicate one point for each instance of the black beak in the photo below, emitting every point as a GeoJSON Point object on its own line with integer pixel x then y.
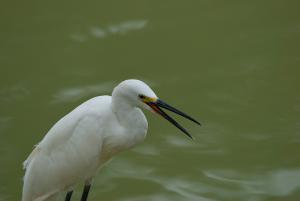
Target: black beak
{"type": "Point", "coordinates": [157, 105]}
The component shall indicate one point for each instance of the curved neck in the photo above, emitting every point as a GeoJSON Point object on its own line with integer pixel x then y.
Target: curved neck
{"type": "Point", "coordinates": [132, 120]}
{"type": "Point", "coordinates": [121, 108]}
{"type": "Point", "coordinates": [127, 112]}
{"type": "Point", "coordinates": [128, 115]}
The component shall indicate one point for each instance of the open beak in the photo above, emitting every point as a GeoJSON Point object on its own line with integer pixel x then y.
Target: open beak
{"type": "Point", "coordinates": [158, 104]}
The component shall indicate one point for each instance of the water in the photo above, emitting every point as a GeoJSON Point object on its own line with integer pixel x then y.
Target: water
{"type": "Point", "coordinates": [234, 65]}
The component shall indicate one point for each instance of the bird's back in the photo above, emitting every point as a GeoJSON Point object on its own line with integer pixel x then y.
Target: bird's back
{"type": "Point", "coordinates": [69, 152]}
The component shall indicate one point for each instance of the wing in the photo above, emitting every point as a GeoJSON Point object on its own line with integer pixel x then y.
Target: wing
{"type": "Point", "coordinates": [68, 154]}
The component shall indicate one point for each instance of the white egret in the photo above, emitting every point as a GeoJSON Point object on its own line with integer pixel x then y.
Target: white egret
{"type": "Point", "coordinates": [82, 141]}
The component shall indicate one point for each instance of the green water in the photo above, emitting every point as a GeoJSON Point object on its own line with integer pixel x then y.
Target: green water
{"type": "Point", "coordinates": [234, 65]}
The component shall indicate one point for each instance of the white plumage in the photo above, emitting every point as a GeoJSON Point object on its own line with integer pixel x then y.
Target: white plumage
{"type": "Point", "coordinates": [83, 140]}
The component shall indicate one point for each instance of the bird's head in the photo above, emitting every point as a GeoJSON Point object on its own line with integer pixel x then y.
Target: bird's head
{"type": "Point", "coordinates": [139, 94]}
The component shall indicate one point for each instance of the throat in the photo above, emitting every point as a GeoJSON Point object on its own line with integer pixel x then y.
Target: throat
{"type": "Point", "coordinates": [132, 122]}
{"type": "Point", "coordinates": [132, 119]}
{"type": "Point", "coordinates": [123, 111]}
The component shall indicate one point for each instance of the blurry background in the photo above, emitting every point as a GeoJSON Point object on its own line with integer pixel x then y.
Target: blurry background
{"type": "Point", "coordinates": [232, 64]}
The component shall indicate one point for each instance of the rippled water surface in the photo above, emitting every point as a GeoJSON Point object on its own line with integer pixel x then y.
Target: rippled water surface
{"type": "Point", "coordinates": [232, 64]}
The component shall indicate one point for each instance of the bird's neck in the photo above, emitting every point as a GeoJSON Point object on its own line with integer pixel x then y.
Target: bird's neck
{"type": "Point", "coordinates": [133, 122]}
{"type": "Point", "coordinates": [122, 109]}
{"type": "Point", "coordinates": [128, 115]}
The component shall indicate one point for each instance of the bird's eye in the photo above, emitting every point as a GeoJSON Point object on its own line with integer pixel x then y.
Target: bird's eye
{"type": "Point", "coordinates": [142, 96]}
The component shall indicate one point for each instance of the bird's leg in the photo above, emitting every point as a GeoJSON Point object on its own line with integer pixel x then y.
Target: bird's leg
{"type": "Point", "coordinates": [85, 192]}
{"type": "Point", "coordinates": [68, 196]}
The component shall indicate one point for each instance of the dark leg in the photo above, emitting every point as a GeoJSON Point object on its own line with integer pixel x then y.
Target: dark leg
{"type": "Point", "coordinates": [85, 192]}
{"type": "Point", "coordinates": [68, 196]}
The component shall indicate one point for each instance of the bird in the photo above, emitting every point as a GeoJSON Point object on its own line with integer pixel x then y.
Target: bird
{"type": "Point", "coordinates": [81, 142]}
